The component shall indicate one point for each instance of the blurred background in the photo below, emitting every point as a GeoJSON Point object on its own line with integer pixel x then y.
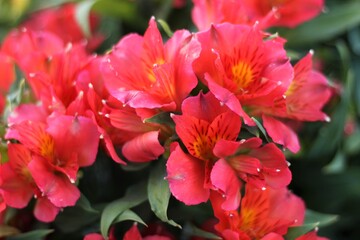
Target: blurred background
{"type": "Point", "coordinates": [326, 173]}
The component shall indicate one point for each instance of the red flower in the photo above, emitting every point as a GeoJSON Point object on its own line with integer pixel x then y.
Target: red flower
{"type": "Point", "coordinates": [142, 72]}
{"type": "Point", "coordinates": [263, 214]}
{"type": "Point", "coordinates": [287, 13]}
{"type": "Point", "coordinates": [242, 68]}
{"type": "Point", "coordinates": [265, 13]}
{"type": "Point", "coordinates": [204, 122]}
{"type": "Point", "coordinates": [62, 22]}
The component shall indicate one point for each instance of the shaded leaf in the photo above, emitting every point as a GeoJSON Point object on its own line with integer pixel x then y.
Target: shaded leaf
{"type": "Point", "coordinates": [6, 230]}
{"type": "Point", "coordinates": [159, 194]}
{"type": "Point", "coordinates": [166, 27]}
{"type": "Point", "coordinates": [82, 14]}
{"type": "Point", "coordinates": [337, 165]}
{"type": "Point", "coordinates": [33, 235]}
{"type": "Point", "coordinates": [129, 215]}
{"type": "Point", "coordinates": [321, 219]}
{"type": "Point", "coordinates": [335, 21]}
{"type": "Point", "coordinates": [161, 118]}
{"type": "Point", "coordinates": [195, 231]}
{"type": "Point", "coordinates": [84, 203]}
{"type": "Point", "coordinates": [295, 232]}
{"type": "Point", "coordinates": [134, 196]}
{"type": "Point", "coordinates": [262, 129]}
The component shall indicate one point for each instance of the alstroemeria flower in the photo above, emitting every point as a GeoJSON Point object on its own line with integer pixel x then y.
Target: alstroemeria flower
{"type": "Point", "coordinates": [142, 72]}
{"type": "Point", "coordinates": [242, 68]}
{"type": "Point", "coordinates": [303, 100]}
{"type": "Point", "coordinates": [204, 122]}
{"type": "Point", "coordinates": [260, 165]}
{"type": "Point", "coordinates": [263, 213]}
{"type": "Point", "coordinates": [18, 186]}
{"type": "Point", "coordinates": [55, 148]}
{"type": "Point", "coordinates": [62, 22]}
{"type": "Point", "coordinates": [286, 13]}
{"type": "Point", "coordinates": [265, 13]}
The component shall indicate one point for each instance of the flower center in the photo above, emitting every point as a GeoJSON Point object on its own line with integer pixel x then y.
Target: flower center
{"type": "Point", "coordinates": [242, 74]}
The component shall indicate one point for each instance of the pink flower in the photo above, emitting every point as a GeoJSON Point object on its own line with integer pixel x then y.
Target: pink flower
{"type": "Point", "coordinates": [264, 214]}
{"type": "Point", "coordinates": [62, 22]}
{"type": "Point", "coordinates": [242, 68]}
{"type": "Point", "coordinates": [204, 122]}
{"type": "Point", "coordinates": [265, 13]}
{"type": "Point", "coordinates": [142, 72]}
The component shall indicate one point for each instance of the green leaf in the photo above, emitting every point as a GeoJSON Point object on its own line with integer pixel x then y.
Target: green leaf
{"type": "Point", "coordinates": [312, 220]}
{"type": "Point", "coordinates": [129, 215]}
{"type": "Point", "coordinates": [134, 196]}
{"type": "Point", "coordinates": [33, 235]}
{"type": "Point", "coordinates": [335, 21]}
{"type": "Point", "coordinates": [121, 9]}
{"type": "Point", "coordinates": [321, 219]}
{"type": "Point", "coordinates": [159, 193]}
{"type": "Point", "coordinates": [295, 232]}
{"type": "Point", "coordinates": [82, 16]}
{"type": "Point", "coordinates": [161, 118]}
{"type": "Point", "coordinates": [166, 27]}
{"type": "Point", "coordinates": [262, 129]}
{"type": "Point", "coordinates": [337, 165]}
{"type": "Point", "coordinates": [6, 231]}
{"type": "Point", "coordinates": [195, 231]}
{"type": "Point", "coordinates": [84, 203]}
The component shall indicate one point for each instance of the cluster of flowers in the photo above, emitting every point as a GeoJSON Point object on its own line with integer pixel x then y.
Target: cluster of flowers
{"type": "Point", "coordinates": [212, 85]}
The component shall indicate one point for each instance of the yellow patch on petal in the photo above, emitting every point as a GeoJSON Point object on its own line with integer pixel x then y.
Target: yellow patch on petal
{"type": "Point", "coordinates": [242, 74]}
{"type": "Point", "coordinates": [46, 145]}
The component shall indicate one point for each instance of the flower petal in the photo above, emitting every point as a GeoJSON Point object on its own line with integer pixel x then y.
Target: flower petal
{"type": "Point", "coordinates": [186, 176]}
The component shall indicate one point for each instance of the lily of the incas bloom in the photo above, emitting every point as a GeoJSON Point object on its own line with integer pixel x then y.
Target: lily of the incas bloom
{"type": "Point", "coordinates": [53, 150]}
{"type": "Point", "coordinates": [242, 68]}
{"type": "Point", "coordinates": [62, 22]}
{"type": "Point", "coordinates": [303, 100]}
{"type": "Point", "coordinates": [263, 214]}
{"type": "Point", "coordinates": [204, 122]}
{"type": "Point", "coordinates": [142, 72]}
{"type": "Point", "coordinates": [266, 13]}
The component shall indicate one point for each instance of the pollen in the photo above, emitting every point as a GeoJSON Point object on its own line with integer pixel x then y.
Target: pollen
{"type": "Point", "coordinates": [242, 74]}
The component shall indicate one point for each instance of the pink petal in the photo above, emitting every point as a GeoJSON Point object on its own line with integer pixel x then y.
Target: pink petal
{"type": "Point", "coordinates": [133, 234]}
{"type": "Point", "coordinates": [224, 178]}
{"type": "Point", "coordinates": [186, 177]}
{"type": "Point", "coordinates": [94, 236]}
{"type": "Point", "coordinates": [143, 148]}
{"type": "Point", "coordinates": [45, 211]}
{"type": "Point", "coordinates": [281, 134]}
{"type": "Point", "coordinates": [77, 135]}
{"type": "Point", "coordinates": [55, 186]}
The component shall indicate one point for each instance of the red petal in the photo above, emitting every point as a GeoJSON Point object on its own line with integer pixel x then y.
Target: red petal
{"type": "Point", "coordinates": [281, 134]}
{"type": "Point", "coordinates": [224, 178]}
{"type": "Point", "coordinates": [77, 135]}
{"type": "Point", "coordinates": [186, 177]}
{"type": "Point", "coordinates": [53, 185]}
{"type": "Point", "coordinates": [133, 234]}
{"type": "Point", "coordinates": [45, 211]}
{"type": "Point", "coordinates": [94, 236]}
{"type": "Point", "coordinates": [143, 148]}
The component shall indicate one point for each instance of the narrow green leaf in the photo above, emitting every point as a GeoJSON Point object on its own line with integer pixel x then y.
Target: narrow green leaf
{"type": "Point", "coordinates": [129, 215]}
{"type": "Point", "coordinates": [33, 235]}
{"type": "Point", "coordinates": [335, 21]}
{"type": "Point", "coordinates": [321, 219]}
{"type": "Point", "coordinates": [84, 203]}
{"type": "Point", "coordinates": [201, 233]}
{"type": "Point", "coordinates": [134, 196]}
{"type": "Point", "coordinates": [295, 232]}
{"type": "Point", "coordinates": [6, 231]}
{"type": "Point", "coordinates": [82, 14]}
{"type": "Point", "coordinates": [166, 27]}
{"type": "Point", "coordinates": [262, 129]}
{"type": "Point", "coordinates": [337, 165]}
{"type": "Point", "coordinates": [161, 118]}
{"type": "Point", "coordinates": [159, 194]}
